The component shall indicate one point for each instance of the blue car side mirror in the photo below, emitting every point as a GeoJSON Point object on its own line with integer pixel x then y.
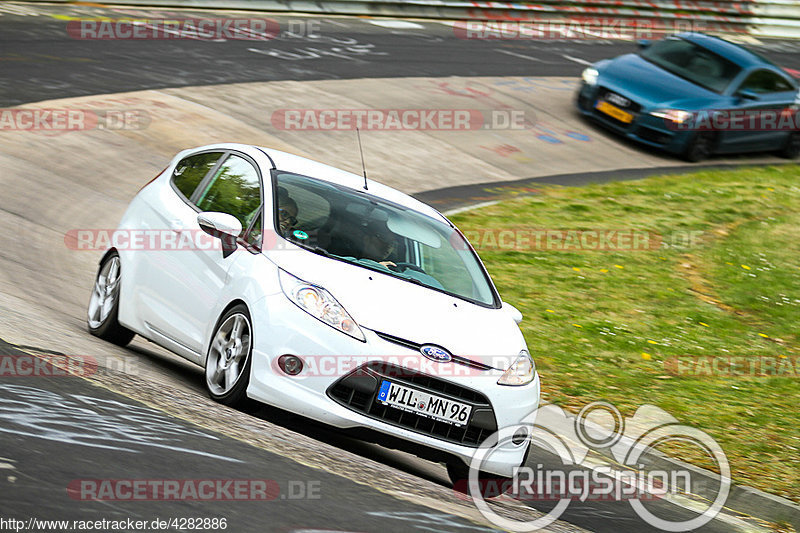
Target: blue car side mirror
{"type": "Point", "coordinates": [747, 94]}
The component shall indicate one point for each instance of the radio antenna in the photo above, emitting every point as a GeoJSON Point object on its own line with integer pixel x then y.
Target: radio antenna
{"type": "Point", "coordinates": [363, 166]}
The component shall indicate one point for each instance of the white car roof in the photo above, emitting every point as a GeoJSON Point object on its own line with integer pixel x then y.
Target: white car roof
{"type": "Point", "coordinates": [314, 169]}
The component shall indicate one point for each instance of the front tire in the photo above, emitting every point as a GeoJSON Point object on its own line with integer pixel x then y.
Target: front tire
{"type": "Point", "coordinates": [104, 304]}
{"type": "Point", "coordinates": [230, 357]}
{"type": "Point", "coordinates": [700, 147]}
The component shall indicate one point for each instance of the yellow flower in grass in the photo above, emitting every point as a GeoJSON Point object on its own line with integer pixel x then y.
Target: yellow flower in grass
{"type": "Point", "coordinates": [603, 270]}
{"type": "Point", "coordinates": [745, 267]}
{"type": "Point", "coordinates": [652, 342]}
{"type": "Point", "coordinates": [577, 325]}
{"type": "Point", "coordinates": [763, 335]}
{"type": "Point", "coordinates": [704, 324]}
{"type": "Point", "coordinates": [576, 269]}
{"type": "Point", "coordinates": [549, 310]}
{"type": "Point", "coordinates": [619, 266]}
{"type": "Point", "coordinates": [646, 356]}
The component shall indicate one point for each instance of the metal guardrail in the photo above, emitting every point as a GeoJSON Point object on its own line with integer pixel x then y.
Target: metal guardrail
{"type": "Point", "coordinates": [766, 18]}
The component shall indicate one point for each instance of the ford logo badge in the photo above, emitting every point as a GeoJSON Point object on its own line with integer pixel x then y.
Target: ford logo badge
{"type": "Point", "coordinates": [435, 353]}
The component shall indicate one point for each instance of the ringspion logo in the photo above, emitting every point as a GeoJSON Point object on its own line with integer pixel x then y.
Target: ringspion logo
{"type": "Point", "coordinates": [574, 439]}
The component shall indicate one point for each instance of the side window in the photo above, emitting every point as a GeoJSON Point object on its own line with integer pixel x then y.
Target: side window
{"type": "Point", "coordinates": [764, 81]}
{"type": "Point", "coordinates": [235, 189]}
{"type": "Point", "coordinates": [190, 171]}
{"type": "Point", "coordinates": [254, 236]}
{"type": "Point", "coordinates": [299, 208]}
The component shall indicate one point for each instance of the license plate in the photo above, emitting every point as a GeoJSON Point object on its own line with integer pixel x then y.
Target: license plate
{"type": "Point", "coordinates": [424, 404]}
{"type": "Point", "coordinates": [613, 111]}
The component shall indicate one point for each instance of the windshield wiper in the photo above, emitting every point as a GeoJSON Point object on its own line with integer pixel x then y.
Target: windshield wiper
{"type": "Point", "coordinates": [412, 280]}
{"type": "Point", "coordinates": [315, 249]}
{"type": "Point", "coordinates": [319, 251]}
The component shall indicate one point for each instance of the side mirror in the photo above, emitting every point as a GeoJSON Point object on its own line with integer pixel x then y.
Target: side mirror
{"type": "Point", "coordinates": [515, 313]}
{"type": "Point", "coordinates": [747, 94]}
{"type": "Point", "coordinates": [222, 226]}
{"type": "Point", "coordinates": [643, 43]}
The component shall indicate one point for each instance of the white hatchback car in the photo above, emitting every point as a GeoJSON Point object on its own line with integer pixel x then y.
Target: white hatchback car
{"type": "Point", "coordinates": [314, 290]}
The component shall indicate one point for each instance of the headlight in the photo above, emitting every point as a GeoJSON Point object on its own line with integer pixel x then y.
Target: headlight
{"type": "Point", "coordinates": [590, 76]}
{"type": "Point", "coordinates": [677, 116]}
{"type": "Point", "coordinates": [521, 371]}
{"type": "Point", "coordinates": [320, 304]}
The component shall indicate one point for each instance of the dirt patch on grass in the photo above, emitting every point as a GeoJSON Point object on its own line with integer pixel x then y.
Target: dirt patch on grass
{"type": "Point", "coordinates": [700, 286]}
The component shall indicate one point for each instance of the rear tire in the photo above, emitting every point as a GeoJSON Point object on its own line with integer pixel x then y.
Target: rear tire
{"type": "Point", "coordinates": [700, 147]}
{"type": "Point", "coordinates": [104, 304]}
{"type": "Point", "coordinates": [230, 357]}
{"type": "Point", "coordinates": [792, 148]}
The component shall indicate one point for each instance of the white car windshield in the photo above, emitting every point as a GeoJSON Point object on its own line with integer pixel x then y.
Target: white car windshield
{"type": "Point", "coordinates": [380, 235]}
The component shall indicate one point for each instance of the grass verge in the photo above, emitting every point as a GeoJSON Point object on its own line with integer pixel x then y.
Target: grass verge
{"type": "Point", "coordinates": [724, 281]}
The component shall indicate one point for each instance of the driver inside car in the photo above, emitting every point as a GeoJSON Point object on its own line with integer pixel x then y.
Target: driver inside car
{"type": "Point", "coordinates": [287, 211]}
{"type": "Point", "coordinates": [379, 244]}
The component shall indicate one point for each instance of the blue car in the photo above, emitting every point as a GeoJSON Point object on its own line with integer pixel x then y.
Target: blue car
{"type": "Point", "coordinates": [695, 95]}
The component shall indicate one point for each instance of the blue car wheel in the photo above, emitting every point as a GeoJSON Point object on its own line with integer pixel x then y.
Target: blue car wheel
{"type": "Point", "coordinates": [792, 148]}
{"type": "Point", "coordinates": [700, 147]}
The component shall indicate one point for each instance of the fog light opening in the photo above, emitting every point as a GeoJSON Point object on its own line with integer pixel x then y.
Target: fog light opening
{"type": "Point", "coordinates": [520, 436]}
{"type": "Point", "coordinates": [290, 364]}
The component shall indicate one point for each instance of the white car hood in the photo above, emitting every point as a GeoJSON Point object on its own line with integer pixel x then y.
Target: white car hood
{"type": "Point", "coordinates": [389, 305]}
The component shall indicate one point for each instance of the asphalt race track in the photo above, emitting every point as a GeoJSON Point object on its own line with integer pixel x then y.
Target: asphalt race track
{"type": "Point", "coordinates": [142, 413]}
{"type": "Point", "coordinates": [41, 61]}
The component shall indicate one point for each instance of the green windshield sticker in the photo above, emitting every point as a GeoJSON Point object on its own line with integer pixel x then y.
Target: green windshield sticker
{"type": "Point", "coordinates": [302, 235]}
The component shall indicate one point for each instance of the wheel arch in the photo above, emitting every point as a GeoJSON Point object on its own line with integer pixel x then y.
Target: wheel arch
{"type": "Point", "coordinates": [107, 254]}
{"type": "Point", "coordinates": [233, 303]}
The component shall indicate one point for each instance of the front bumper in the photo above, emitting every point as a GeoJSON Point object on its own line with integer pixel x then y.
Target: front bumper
{"type": "Point", "coordinates": [644, 129]}
{"type": "Point", "coordinates": [282, 328]}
